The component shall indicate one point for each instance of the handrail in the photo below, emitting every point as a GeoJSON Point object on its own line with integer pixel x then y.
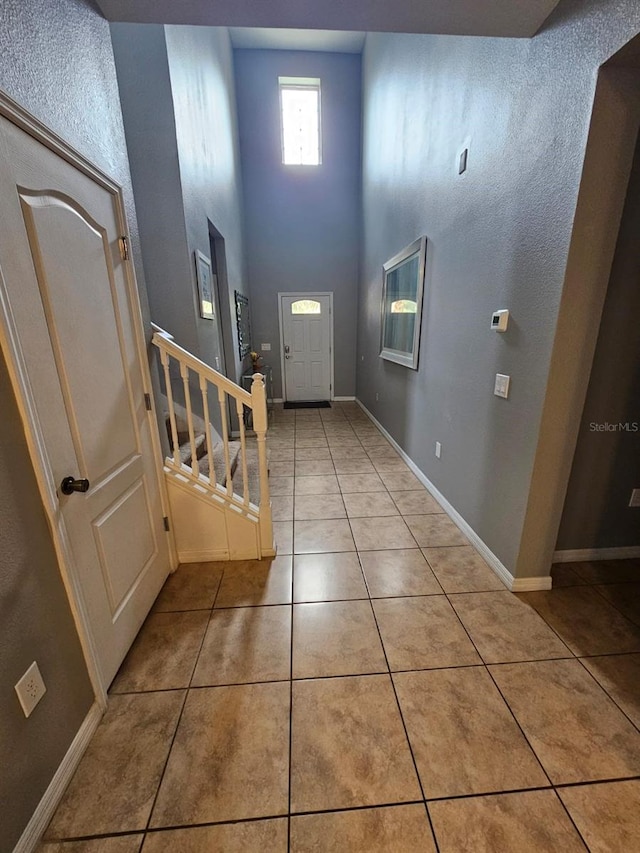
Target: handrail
{"type": "Point", "coordinates": [164, 342]}
{"type": "Point", "coordinates": [220, 482]}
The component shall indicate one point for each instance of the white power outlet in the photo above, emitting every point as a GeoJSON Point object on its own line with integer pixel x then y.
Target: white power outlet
{"type": "Point", "coordinates": [438, 450]}
{"type": "Point", "coordinates": [377, 396]}
{"type": "Point", "coordinates": [635, 498]}
{"type": "Point", "coordinates": [30, 689]}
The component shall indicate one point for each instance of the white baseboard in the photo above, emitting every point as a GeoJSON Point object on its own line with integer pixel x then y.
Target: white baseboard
{"type": "Point", "coordinates": [512, 583]}
{"type": "Point", "coordinates": [582, 555]}
{"type": "Point", "coordinates": [212, 556]}
{"type": "Point", "coordinates": [32, 834]}
{"type": "Point", "coordinates": [277, 400]}
{"type": "Point", "coordinates": [218, 555]}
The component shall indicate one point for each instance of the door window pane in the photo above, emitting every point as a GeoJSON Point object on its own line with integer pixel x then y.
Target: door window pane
{"type": "Point", "coordinates": [306, 306]}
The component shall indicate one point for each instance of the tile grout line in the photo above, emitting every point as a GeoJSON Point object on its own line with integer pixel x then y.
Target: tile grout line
{"type": "Point", "coordinates": [524, 735]}
{"type": "Point", "coordinates": [586, 657]}
{"type": "Point", "coordinates": [402, 720]}
{"type": "Point", "coordinates": [293, 569]}
{"type": "Point", "coordinates": [307, 812]}
{"type": "Point", "coordinates": [486, 666]}
{"type": "Point", "coordinates": [595, 587]}
{"type": "Point", "coordinates": [606, 692]}
{"type": "Point", "coordinates": [184, 702]}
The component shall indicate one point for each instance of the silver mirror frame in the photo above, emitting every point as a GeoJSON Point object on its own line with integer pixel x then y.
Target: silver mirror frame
{"type": "Point", "coordinates": [405, 358]}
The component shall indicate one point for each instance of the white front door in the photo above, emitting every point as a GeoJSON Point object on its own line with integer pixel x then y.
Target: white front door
{"type": "Point", "coordinates": [306, 325]}
{"type": "Point", "coordinates": [75, 313]}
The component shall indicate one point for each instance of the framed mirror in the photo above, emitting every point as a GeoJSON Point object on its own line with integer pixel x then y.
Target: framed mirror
{"type": "Point", "coordinates": [243, 324]}
{"type": "Point", "coordinates": [402, 292]}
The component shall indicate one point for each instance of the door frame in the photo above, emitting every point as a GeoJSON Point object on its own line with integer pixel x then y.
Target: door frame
{"type": "Point", "coordinates": [10, 345]}
{"type": "Point", "coordinates": [600, 202]}
{"type": "Point", "coordinates": [306, 295]}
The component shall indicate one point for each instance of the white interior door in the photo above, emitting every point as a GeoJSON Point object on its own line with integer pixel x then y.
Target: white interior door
{"type": "Point", "coordinates": [306, 345]}
{"type": "Point", "coordinates": [75, 316]}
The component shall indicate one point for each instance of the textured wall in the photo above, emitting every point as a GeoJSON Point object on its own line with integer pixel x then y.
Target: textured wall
{"type": "Point", "coordinates": [202, 84]}
{"type": "Point", "coordinates": [302, 224]}
{"type": "Point", "coordinates": [606, 465]}
{"type": "Point", "coordinates": [56, 60]}
{"type": "Point", "coordinates": [498, 235]}
{"type": "Point", "coordinates": [145, 93]}
{"type": "Point", "coordinates": [178, 102]}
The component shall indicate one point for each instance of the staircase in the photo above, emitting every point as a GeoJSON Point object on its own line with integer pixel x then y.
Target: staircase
{"type": "Point", "coordinates": [218, 487]}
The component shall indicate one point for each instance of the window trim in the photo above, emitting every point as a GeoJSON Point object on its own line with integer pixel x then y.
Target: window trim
{"type": "Point", "coordinates": [313, 84]}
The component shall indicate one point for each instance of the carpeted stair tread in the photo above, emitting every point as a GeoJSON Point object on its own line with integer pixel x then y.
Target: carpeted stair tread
{"type": "Point", "coordinates": [185, 449]}
{"type": "Point", "coordinates": [219, 461]}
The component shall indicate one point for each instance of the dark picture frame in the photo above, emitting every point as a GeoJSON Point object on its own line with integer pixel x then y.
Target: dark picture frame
{"type": "Point", "coordinates": [206, 286]}
{"type": "Point", "coordinates": [243, 323]}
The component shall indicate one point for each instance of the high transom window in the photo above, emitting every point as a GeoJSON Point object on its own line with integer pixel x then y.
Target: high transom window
{"type": "Point", "coordinates": [306, 306]}
{"type": "Point", "coordinates": [300, 120]}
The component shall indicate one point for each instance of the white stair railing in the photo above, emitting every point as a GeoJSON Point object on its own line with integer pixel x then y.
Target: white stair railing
{"type": "Point", "coordinates": [178, 362]}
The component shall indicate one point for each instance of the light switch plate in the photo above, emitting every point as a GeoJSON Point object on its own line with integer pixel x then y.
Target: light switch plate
{"type": "Point", "coordinates": [265, 347]}
{"type": "Point", "coordinates": [501, 388]}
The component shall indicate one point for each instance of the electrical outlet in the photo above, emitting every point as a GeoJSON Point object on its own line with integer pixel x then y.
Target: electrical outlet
{"type": "Point", "coordinates": [265, 347]}
{"type": "Point", "coordinates": [377, 396]}
{"type": "Point", "coordinates": [438, 450]}
{"type": "Point", "coordinates": [635, 498]}
{"type": "Point", "coordinates": [30, 689]}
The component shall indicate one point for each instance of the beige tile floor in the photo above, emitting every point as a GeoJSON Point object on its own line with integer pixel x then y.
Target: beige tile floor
{"type": "Point", "coordinates": [374, 688]}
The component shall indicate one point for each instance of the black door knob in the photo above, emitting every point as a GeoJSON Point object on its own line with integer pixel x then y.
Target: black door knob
{"type": "Point", "coordinates": [70, 485]}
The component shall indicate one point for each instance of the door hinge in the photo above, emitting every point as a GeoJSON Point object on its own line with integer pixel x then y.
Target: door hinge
{"type": "Point", "coordinates": [123, 244]}
{"type": "Point", "coordinates": [147, 402]}
{"type": "Point", "coordinates": [166, 523]}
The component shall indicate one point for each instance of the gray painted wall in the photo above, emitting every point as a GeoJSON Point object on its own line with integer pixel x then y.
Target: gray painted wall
{"type": "Point", "coordinates": [606, 464]}
{"type": "Point", "coordinates": [302, 224]}
{"type": "Point", "coordinates": [202, 82]}
{"type": "Point", "coordinates": [56, 60]}
{"type": "Point", "coordinates": [499, 237]}
{"type": "Point", "coordinates": [178, 102]}
{"type": "Point", "coordinates": [147, 107]}
{"type": "Point", "coordinates": [35, 624]}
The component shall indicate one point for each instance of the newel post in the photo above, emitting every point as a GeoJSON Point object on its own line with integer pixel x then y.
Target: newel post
{"type": "Point", "coordinates": [260, 423]}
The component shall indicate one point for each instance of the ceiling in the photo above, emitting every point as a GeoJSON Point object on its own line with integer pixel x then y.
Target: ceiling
{"type": "Point", "coordinates": [514, 18]}
{"type": "Point", "coordinates": [332, 41]}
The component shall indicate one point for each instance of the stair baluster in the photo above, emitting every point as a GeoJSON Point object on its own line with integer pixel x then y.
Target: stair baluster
{"type": "Point", "coordinates": [243, 453]}
{"type": "Point", "coordinates": [175, 449]}
{"type": "Point", "coordinates": [184, 372]}
{"type": "Point", "coordinates": [204, 390]}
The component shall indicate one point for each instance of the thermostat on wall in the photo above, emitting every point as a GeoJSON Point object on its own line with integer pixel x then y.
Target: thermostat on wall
{"type": "Point", "coordinates": [500, 320]}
